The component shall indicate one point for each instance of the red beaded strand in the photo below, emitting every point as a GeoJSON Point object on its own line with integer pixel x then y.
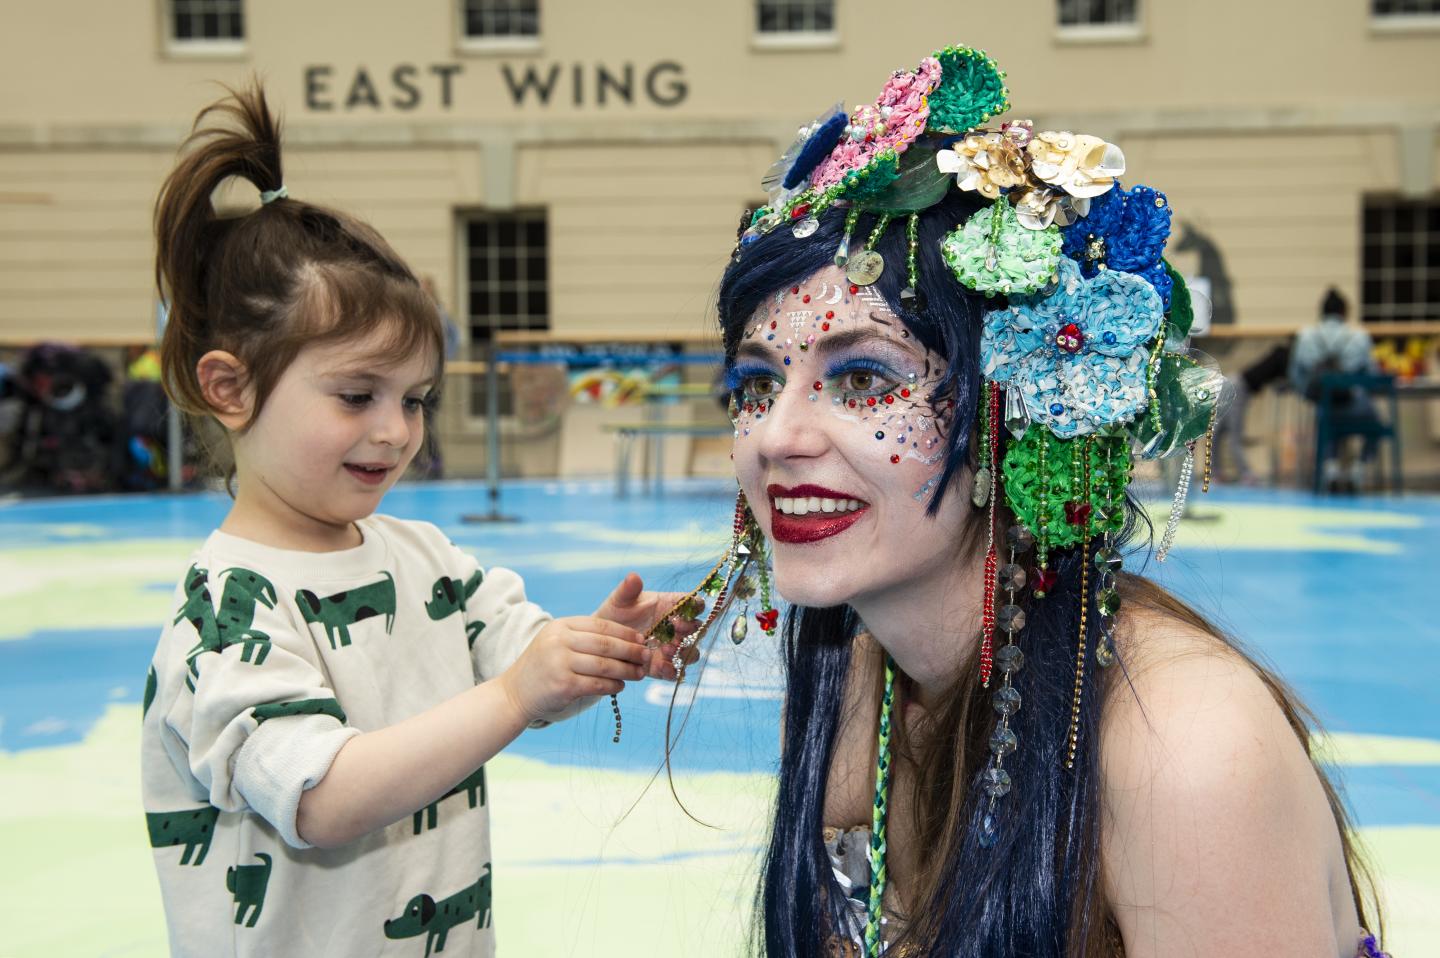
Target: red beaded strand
{"type": "Point", "coordinates": [992, 463]}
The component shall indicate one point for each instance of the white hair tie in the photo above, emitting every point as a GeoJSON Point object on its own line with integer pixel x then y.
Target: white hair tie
{"type": "Point", "coordinates": [269, 196]}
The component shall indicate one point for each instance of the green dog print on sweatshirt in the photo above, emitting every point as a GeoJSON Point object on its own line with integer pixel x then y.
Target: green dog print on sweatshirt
{"type": "Point", "coordinates": [217, 631]}
{"type": "Point", "coordinates": [448, 596]}
{"type": "Point", "coordinates": [474, 786]}
{"type": "Point", "coordinates": [247, 883]}
{"type": "Point", "coordinates": [343, 609]}
{"type": "Point", "coordinates": [236, 615]}
{"type": "Point", "coordinates": [191, 827]}
{"type": "Point", "coordinates": [424, 915]}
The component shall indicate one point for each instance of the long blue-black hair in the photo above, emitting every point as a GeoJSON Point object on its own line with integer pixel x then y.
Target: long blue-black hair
{"type": "Point", "coordinates": [1037, 890]}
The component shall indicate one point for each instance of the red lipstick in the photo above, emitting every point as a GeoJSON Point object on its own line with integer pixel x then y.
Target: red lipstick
{"type": "Point", "coordinates": [813, 526]}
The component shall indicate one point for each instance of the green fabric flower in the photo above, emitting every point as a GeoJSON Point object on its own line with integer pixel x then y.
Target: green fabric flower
{"type": "Point", "coordinates": [971, 90]}
{"type": "Point", "coordinates": [992, 253]}
{"type": "Point", "coordinates": [1052, 499]}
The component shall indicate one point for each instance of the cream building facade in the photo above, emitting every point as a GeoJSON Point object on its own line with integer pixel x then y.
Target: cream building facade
{"type": "Point", "coordinates": [580, 166]}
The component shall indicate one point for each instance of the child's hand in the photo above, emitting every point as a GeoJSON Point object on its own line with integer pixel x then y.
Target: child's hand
{"type": "Point", "coordinates": [632, 606]}
{"type": "Point", "coordinates": [571, 658]}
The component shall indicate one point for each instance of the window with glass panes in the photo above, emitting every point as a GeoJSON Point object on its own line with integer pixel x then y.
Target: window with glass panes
{"type": "Point", "coordinates": [1400, 261]}
{"type": "Point", "coordinates": [507, 275]}
{"type": "Point", "coordinates": [1405, 8]}
{"type": "Point", "coordinates": [200, 21]}
{"type": "Point", "coordinates": [795, 16]}
{"type": "Point", "coordinates": [1091, 13]}
{"type": "Point", "coordinates": [484, 19]}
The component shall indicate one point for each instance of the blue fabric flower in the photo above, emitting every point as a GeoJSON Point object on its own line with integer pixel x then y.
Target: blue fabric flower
{"type": "Point", "coordinates": [1125, 231]}
{"type": "Point", "coordinates": [1077, 354]}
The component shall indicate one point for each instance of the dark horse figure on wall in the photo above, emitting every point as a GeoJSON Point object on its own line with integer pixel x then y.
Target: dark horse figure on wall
{"type": "Point", "coordinates": [1212, 267]}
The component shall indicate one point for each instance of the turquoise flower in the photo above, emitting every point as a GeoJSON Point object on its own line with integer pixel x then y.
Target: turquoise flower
{"type": "Point", "coordinates": [1076, 354]}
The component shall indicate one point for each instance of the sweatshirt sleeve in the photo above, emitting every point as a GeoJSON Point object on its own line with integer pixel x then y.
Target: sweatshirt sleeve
{"type": "Point", "coordinates": [262, 724]}
{"type": "Point", "coordinates": [502, 623]}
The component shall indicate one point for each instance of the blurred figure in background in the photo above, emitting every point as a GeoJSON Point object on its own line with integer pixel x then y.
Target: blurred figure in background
{"type": "Point", "coordinates": [1230, 428]}
{"type": "Point", "coordinates": [1330, 347]}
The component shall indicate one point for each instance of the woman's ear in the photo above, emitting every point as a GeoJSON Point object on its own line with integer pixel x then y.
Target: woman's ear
{"type": "Point", "coordinates": [225, 386]}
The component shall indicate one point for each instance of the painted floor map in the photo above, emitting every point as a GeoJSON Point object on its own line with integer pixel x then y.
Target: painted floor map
{"type": "Point", "coordinates": [592, 853]}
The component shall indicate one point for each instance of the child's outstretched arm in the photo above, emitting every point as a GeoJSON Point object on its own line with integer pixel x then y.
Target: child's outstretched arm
{"type": "Point", "coordinates": [382, 776]}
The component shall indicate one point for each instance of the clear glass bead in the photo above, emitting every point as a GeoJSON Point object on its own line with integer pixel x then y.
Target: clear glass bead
{"type": "Point", "coordinates": [989, 831]}
{"type": "Point", "coordinates": [1009, 658]}
{"type": "Point", "coordinates": [1011, 577]}
{"type": "Point", "coordinates": [1109, 602]}
{"type": "Point", "coordinates": [738, 630]}
{"type": "Point", "coordinates": [995, 782]}
{"type": "Point", "coordinates": [1010, 618]}
{"type": "Point", "coordinates": [1002, 741]}
{"type": "Point", "coordinates": [1104, 652]}
{"type": "Point", "coordinates": [1006, 700]}
{"type": "Point", "coordinates": [1019, 538]}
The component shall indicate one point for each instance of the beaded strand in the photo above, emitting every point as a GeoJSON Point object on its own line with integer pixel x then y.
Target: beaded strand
{"type": "Point", "coordinates": [876, 852]}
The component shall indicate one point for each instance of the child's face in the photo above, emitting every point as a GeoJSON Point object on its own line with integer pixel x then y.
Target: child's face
{"type": "Point", "coordinates": [338, 430]}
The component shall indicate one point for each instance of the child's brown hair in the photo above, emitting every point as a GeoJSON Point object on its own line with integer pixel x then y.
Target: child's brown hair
{"type": "Point", "coordinates": [267, 283]}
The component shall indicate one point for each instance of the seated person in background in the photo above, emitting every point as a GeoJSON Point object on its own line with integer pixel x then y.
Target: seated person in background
{"type": "Point", "coordinates": [1333, 346]}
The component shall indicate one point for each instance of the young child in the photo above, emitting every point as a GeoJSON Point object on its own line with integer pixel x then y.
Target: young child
{"type": "Point", "coordinates": [319, 711]}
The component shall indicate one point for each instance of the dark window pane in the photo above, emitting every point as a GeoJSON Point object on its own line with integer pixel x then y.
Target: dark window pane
{"type": "Point", "coordinates": [508, 269]}
{"type": "Point", "coordinates": [538, 304]}
{"type": "Point", "coordinates": [236, 26]}
{"type": "Point", "coordinates": [509, 302]}
{"type": "Point", "coordinates": [825, 17]}
{"type": "Point", "coordinates": [506, 234]}
{"type": "Point", "coordinates": [1404, 254]}
{"type": "Point", "coordinates": [479, 268]}
{"type": "Point", "coordinates": [535, 233]}
{"type": "Point", "coordinates": [535, 268]}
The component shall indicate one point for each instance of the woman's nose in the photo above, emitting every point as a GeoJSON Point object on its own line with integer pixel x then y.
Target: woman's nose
{"type": "Point", "coordinates": [391, 426]}
{"type": "Point", "coordinates": [794, 425]}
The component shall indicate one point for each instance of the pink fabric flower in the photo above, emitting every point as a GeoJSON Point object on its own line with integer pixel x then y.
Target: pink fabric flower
{"type": "Point", "coordinates": [894, 122]}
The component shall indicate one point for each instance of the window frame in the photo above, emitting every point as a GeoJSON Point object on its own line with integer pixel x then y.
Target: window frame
{"type": "Point", "coordinates": [521, 216]}
{"type": "Point", "coordinates": [1403, 24]}
{"type": "Point", "coordinates": [1422, 242]}
{"type": "Point", "coordinates": [203, 47]}
{"type": "Point", "coordinates": [497, 45]}
{"type": "Point", "coordinates": [794, 39]}
{"type": "Point", "coordinates": [1110, 32]}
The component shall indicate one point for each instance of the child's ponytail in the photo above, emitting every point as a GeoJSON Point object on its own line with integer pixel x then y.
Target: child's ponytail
{"type": "Point", "coordinates": [265, 284]}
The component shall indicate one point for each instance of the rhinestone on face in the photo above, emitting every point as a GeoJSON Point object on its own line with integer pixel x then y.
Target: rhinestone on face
{"type": "Point", "coordinates": [1006, 700]}
{"type": "Point", "coordinates": [1002, 741]}
{"type": "Point", "coordinates": [995, 782]}
{"type": "Point", "coordinates": [1012, 577]}
{"type": "Point", "coordinates": [1009, 658]}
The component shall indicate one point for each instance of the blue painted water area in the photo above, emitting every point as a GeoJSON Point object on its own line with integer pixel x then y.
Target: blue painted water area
{"type": "Point", "coordinates": [1353, 630]}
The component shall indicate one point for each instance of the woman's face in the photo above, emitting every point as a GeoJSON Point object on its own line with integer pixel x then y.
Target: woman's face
{"type": "Point", "coordinates": [840, 439]}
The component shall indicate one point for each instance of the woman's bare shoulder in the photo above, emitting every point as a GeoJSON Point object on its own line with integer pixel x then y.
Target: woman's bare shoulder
{"type": "Point", "coordinates": [1214, 817]}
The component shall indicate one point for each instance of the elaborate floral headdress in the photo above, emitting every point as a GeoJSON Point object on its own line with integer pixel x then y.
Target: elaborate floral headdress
{"type": "Point", "coordinates": [1083, 349]}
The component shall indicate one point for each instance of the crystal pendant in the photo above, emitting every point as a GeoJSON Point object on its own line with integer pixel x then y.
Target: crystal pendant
{"type": "Point", "coordinates": [911, 300]}
{"type": "Point", "coordinates": [1009, 659]}
{"type": "Point", "coordinates": [995, 782]}
{"type": "Point", "coordinates": [1108, 560]}
{"type": "Point", "coordinates": [1019, 539]}
{"type": "Point", "coordinates": [1002, 741]}
{"type": "Point", "coordinates": [1017, 417]}
{"type": "Point", "coordinates": [1104, 652]}
{"type": "Point", "coordinates": [739, 627]}
{"type": "Point", "coordinates": [989, 831]}
{"type": "Point", "coordinates": [1109, 602]}
{"type": "Point", "coordinates": [842, 253]}
{"type": "Point", "coordinates": [1006, 700]}
{"type": "Point", "coordinates": [745, 588]}
{"type": "Point", "coordinates": [1012, 577]}
{"type": "Point", "coordinates": [1010, 618]}
{"type": "Point", "coordinates": [805, 228]}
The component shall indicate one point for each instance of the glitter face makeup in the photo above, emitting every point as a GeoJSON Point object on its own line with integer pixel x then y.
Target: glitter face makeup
{"type": "Point", "coordinates": [838, 422]}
